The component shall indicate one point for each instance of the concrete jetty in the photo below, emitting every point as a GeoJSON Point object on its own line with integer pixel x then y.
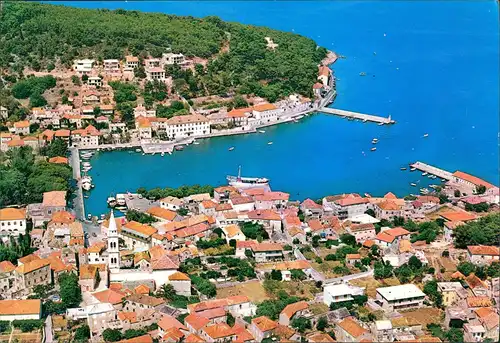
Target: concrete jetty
{"type": "Point", "coordinates": [441, 173]}
{"type": "Point", "coordinates": [356, 115]}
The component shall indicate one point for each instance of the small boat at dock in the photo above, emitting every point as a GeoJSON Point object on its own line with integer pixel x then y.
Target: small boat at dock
{"type": "Point", "coordinates": [262, 131]}
{"type": "Point", "coordinates": [443, 180]}
{"type": "Point", "coordinates": [196, 143]}
{"type": "Point", "coordinates": [374, 141]}
{"type": "Point", "coordinates": [380, 124]}
{"type": "Point", "coordinates": [424, 173]}
{"type": "Point", "coordinates": [413, 169]}
{"type": "Point", "coordinates": [231, 148]}
{"type": "Point", "coordinates": [137, 150]}
{"type": "Point", "coordinates": [111, 201]}
{"type": "Point", "coordinates": [432, 177]}
{"type": "Point", "coordinates": [402, 168]}
{"type": "Point", "coordinates": [179, 147]}
{"type": "Point", "coordinates": [120, 200]}
{"type": "Point", "coordinates": [413, 184]}
{"type": "Point", "coordinates": [162, 154]}
{"type": "Point", "coordinates": [373, 149]}
{"type": "Point", "coordinates": [424, 191]}
{"type": "Point", "coordinates": [365, 120]}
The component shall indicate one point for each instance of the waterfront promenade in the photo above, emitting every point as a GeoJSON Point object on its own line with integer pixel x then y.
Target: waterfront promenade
{"type": "Point", "coordinates": [441, 173]}
{"type": "Point", "coordinates": [78, 204]}
{"type": "Point", "coordinates": [360, 116]}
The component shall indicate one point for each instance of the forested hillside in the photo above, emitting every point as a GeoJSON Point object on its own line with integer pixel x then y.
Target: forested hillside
{"type": "Point", "coordinates": [37, 35]}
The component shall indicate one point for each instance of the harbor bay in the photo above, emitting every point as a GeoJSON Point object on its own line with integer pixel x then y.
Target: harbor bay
{"type": "Point", "coordinates": [430, 82]}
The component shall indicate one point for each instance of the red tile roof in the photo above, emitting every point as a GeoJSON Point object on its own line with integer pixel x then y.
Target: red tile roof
{"type": "Point", "coordinates": [483, 250]}
{"type": "Point", "coordinates": [473, 179]}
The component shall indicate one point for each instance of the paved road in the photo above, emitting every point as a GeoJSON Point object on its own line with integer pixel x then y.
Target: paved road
{"type": "Point", "coordinates": [350, 277]}
{"type": "Point", "coordinates": [49, 338]}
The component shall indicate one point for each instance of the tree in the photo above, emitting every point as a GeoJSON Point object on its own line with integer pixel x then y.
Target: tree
{"type": "Point", "coordinates": [431, 289]}
{"type": "Point", "coordinates": [485, 231]}
{"type": "Point", "coordinates": [182, 212]}
{"type": "Point", "coordinates": [166, 291]}
{"type": "Point", "coordinates": [382, 270]}
{"type": "Point", "coordinates": [276, 275]}
{"type": "Point", "coordinates": [466, 268]}
{"type": "Point", "coordinates": [322, 323]}
{"type": "Point", "coordinates": [112, 335]}
{"type": "Point", "coordinates": [298, 274]}
{"type": "Point", "coordinates": [315, 241]}
{"type": "Point", "coordinates": [454, 335]}
{"type": "Point", "coordinates": [301, 324]}
{"type": "Point", "coordinates": [131, 333]}
{"type": "Point", "coordinates": [348, 239]}
{"type": "Point", "coordinates": [371, 213]}
{"type": "Point", "coordinates": [76, 80]}
{"type": "Point", "coordinates": [230, 319]}
{"type": "Point", "coordinates": [58, 147]}
{"type": "Point", "coordinates": [414, 263]}
{"type": "Point", "coordinates": [70, 292]}
{"type": "Point", "coordinates": [82, 333]}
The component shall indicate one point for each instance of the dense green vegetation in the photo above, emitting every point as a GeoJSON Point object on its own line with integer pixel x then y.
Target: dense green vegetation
{"type": "Point", "coordinates": [254, 231]}
{"type": "Point", "coordinates": [273, 308]}
{"type": "Point", "coordinates": [180, 192]}
{"type": "Point", "coordinates": [485, 231]}
{"type": "Point", "coordinates": [18, 247]}
{"type": "Point", "coordinates": [28, 325]}
{"type": "Point", "coordinates": [144, 218]}
{"type": "Point", "coordinates": [71, 294]}
{"type": "Point", "coordinates": [58, 147]}
{"type": "Point", "coordinates": [23, 181]}
{"type": "Point", "coordinates": [239, 58]}
{"type": "Point", "coordinates": [33, 88]}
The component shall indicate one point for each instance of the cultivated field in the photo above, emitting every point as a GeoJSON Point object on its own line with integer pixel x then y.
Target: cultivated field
{"type": "Point", "coordinates": [254, 290]}
{"type": "Point", "coordinates": [425, 315]}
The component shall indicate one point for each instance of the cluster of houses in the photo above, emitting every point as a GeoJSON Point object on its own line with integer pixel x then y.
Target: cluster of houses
{"type": "Point", "coordinates": [89, 117]}
{"type": "Point", "coordinates": [129, 262]}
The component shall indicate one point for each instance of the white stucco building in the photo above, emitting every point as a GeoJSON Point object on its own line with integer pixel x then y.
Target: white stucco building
{"type": "Point", "coordinates": [340, 292]}
{"type": "Point", "coordinates": [190, 125]}
{"type": "Point", "coordinates": [83, 67]}
{"type": "Point", "coordinates": [400, 297]}
{"type": "Point", "coordinates": [20, 309]}
{"type": "Point", "coordinates": [12, 222]}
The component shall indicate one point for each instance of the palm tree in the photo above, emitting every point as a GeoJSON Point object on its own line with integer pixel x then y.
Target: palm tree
{"type": "Point", "coordinates": [166, 291]}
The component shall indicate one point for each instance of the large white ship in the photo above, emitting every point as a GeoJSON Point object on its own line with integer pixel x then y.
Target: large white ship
{"type": "Point", "coordinates": [246, 182]}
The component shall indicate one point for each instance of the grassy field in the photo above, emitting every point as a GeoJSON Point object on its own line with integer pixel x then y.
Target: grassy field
{"type": "Point", "coordinates": [369, 283]}
{"type": "Point", "coordinates": [326, 268]}
{"type": "Point", "coordinates": [254, 290]}
{"type": "Point", "coordinates": [425, 315]}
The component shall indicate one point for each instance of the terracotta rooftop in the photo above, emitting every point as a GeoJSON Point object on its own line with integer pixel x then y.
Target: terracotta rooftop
{"type": "Point", "coordinates": [264, 215]}
{"type": "Point", "coordinates": [33, 265]}
{"type": "Point", "coordinates": [145, 300]}
{"type": "Point", "coordinates": [162, 213]}
{"type": "Point", "coordinates": [178, 276]}
{"type": "Point", "coordinates": [195, 321]}
{"type": "Point", "coordinates": [291, 309]}
{"type": "Point", "coordinates": [140, 339]}
{"type": "Point", "coordinates": [479, 302]}
{"type": "Point", "coordinates": [20, 307]}
{"type": "Point", "coordinates": [54, 198]}
{"type": "Point", "coordinates": [264, 324]}
{"type": "Point", "coordinates": [483, 250]}
{"type": "Point", "coordinates": [6, 267]}
{"type": "Point", "coordinates": [352, 327]}
{"type": "Point", "coordinates": [264, 107]}
{"type": "Point", "coordinates": [168, 322]}
{"type": "Point", "coordinates": [62, 217]}
{"type": "Point", "coordinates": [218, 331]}
{"type": "Point", "coordinates": [320, 338]}
{"type": "Point", "coordinates": [265, 246]}
{"type": "Point", "coordinates": [473, 179]}
{"type": "Point", "coordinates": [12, 214]}
{"type": "Point", "coordinates": [109, 296]}
{"type": "Point", "coordinates": [458, 216]}
{"type": "Point", "coordinates": [143, 229]}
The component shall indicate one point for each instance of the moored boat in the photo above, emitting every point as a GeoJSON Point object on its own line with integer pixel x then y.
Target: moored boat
{"type": "Point", "coordinates": [269, 143]}
{"type": "Point", "coordinates": [413, 184]}
{"type": "Point", "coordinates": [426, 135]}
{"type": "Point", "coordinates": [246, 182]}
{"type": "Point", "coordinates": [111, 201]}
{"type": "Point", "coordinates": [120, 200]}
{"type": "Point", "coordinates": [262, 131]}
{"type": "Point", "coordinates": [373, 149]}
{"type": "Point", "coordinates": [413, 169]}
{"type": "Point", "coordinates": [374, 140]}
{"type": "Point", "coordinates": [403, 168]}
{"type": "Point", "coordinates": [231, 148]}
{"type": "Point", "coordinates": [424, 173]}
{"type": "Point", "coordinates": [179, 147]}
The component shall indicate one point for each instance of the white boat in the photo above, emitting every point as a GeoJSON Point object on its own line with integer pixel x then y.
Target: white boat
{"type": "Point", "coordinates": [86, 186]}
{"type": "Point", "coordinates": [153, 153]}
{"type": "Point", "coordinates": [424, 173]}
{"type": "Point", "coordinates": [231, 148]}
{"type": "Point", "coordinates": [137, 150]}
{"type": "Point", "coordinates": [413, 169]}
{"type": "Point", "coordinates": [269, 143]}
{"type": "Point", "coordinates": [111, 201]}
{"type": "Point", "coordinates": [426, 135]}
{"type": "Point", "coordinates": [424, 191]}
{"type": "Point", "coordinates": [196, 143]}
{"type": "Point", "coordinates": [402, 168]}
{"type": "Point", "coordinates": [86, 169]}
{"type": "Point", "coordinates": [362, 73]}
{"type": "Point", "coordinates": [373, 149]}
{"type": "Point", "coordinates": [143, 153]}
{"type": "Point", "coordinates": [380, 124]}
{"type": "Point", "coordinates": [86, 178]}
{"type": "Point", "coordinates": [365, 120]}
{"type": "Point", "coordinates": [413, 184]}
{"type": "Point", "coordinates": [432, 177]}
{"type": "Point", "coordinates": [262, 131]}
{"type": "Point", "coordinates": [374, 141]}
{"type": "Point", "coordinates": [246, 182]}
{"type": "Point", "coordinates": [86, 164]}
{"type": "Point", "coordinates": [120, 200]}
{"type": "Point", "coordinates": [86, 157]}
{"type": "Point", "coordinates": [162, 154]}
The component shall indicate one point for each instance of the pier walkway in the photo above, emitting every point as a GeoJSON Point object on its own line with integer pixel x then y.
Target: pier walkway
{"type": "Point", "coordinates": [360, 116]}
{"type": "Point", "coordinates": [443, 174]}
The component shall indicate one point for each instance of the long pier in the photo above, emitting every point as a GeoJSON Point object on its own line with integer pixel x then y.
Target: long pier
{"type": "Point", "coordinates": [356, 115]}
{"type": "Point", "coordinates": [441, 173]}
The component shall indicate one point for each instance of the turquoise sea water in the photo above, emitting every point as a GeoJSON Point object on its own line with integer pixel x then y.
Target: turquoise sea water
{"type": "Point", "coordinates": [435, 71]}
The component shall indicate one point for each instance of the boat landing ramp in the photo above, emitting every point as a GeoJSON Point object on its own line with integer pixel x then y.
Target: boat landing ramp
{"type": "Point", "coordinates": [360, 116]}
{"type": "Point", "coordinates": [443, 174]}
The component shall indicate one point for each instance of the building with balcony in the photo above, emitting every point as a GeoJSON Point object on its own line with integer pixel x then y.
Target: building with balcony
{"type": "Point", "coordinates": [400, 297]}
